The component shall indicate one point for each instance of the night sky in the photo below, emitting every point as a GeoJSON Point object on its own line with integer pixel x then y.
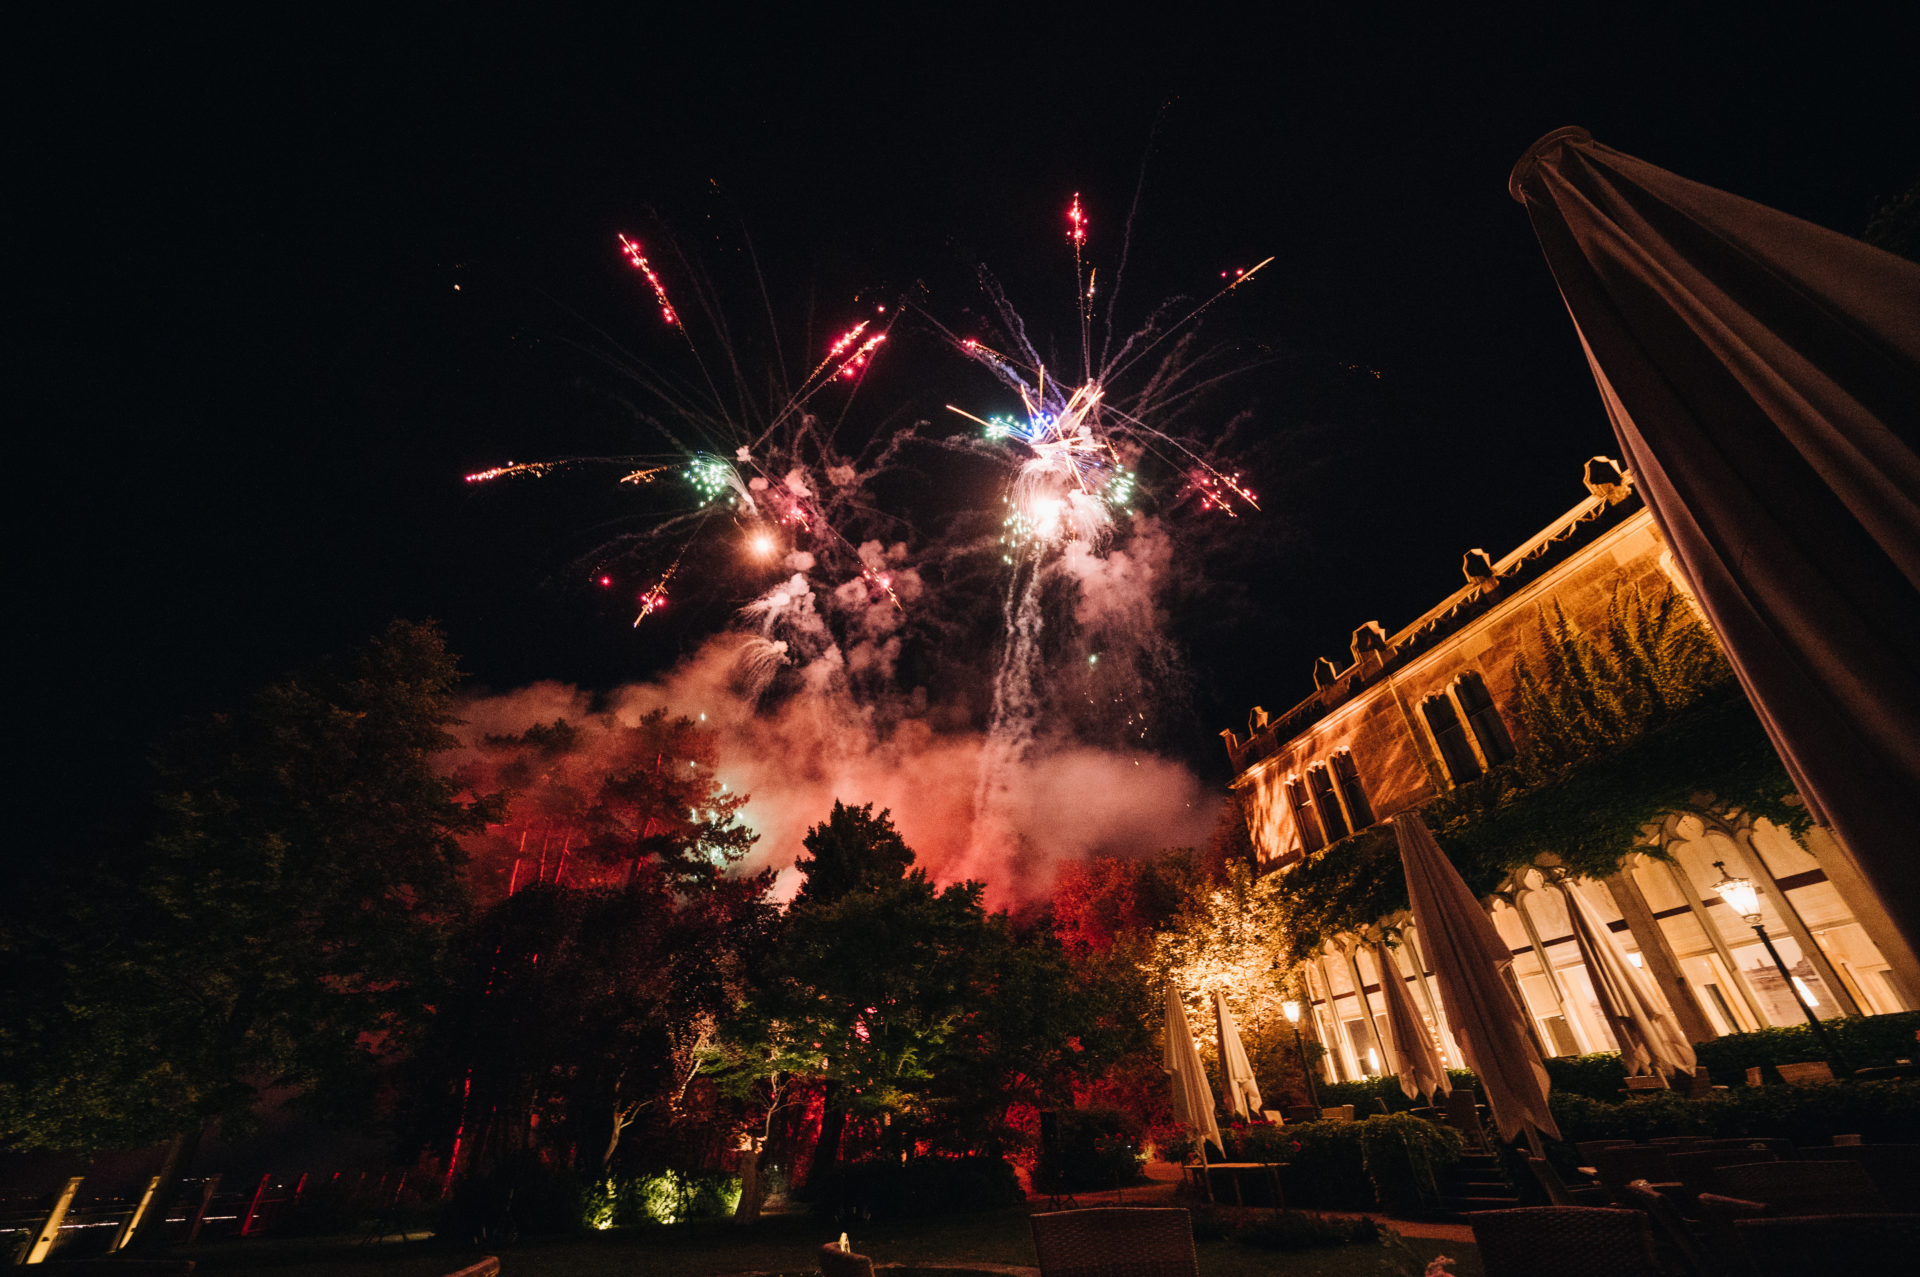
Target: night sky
{"type": "Point", "coordinates": [252, 385]}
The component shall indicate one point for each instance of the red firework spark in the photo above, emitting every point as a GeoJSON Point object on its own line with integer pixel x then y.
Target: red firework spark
{"type": "Point", "coordinates": [638, 260]}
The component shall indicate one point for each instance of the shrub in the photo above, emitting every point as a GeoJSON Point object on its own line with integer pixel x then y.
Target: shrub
{"type": "Point", "coordinates": [1886, 1112]}
{"type": "Point", "coordinates": [661, 1197]}
{"type": "Point", "coordinates": [1386, 1161]}
{"type": "Point", "coordinates": [1297, 1230]}
{"type": "Point", "coordinates": [1867, 1040]}
{"type": "Point", "coordinates": [1363, 1093]}
{"type": "Point", "coordinates": [885, 1189]}
{"type": "Point", "coordinates": [1091, 1148]}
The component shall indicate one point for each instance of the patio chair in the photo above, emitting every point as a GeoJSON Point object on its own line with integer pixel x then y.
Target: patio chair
{"type": "Point", "coordinates": [835, 1262]}
{"type": "Point", "coordinates": [1677, 1141]}
{"type": "Point", "coordinates": [1567, 1241]}
{"type": "Point", "coordinates": [1804, 1188]}
{"type": "Point", "coordinates": [1800, 1244]}
{"type": "Point", "coordinates": [1619, 1166]}
{"type": "Point", "coordinates": [1463, 1115]}
{"type": "Point", "coordinates": [1301, 1113]}
{"type": "Point", "coordinates": [1756, 1143]}
{"type": "Point", "coordinates": [1560, 1193]}
{"type": "Point", "coordinates": [1718, 1215]}
{"type": "Point", "coordinates": [1695, 1168]}
{"type": "Point", "coordinates": [1895, 1168]}
{"type": "Point", "coordinates": [1337, 1113]}
{"type": "Point", "coordinates": [1669, 1228]}
{"type": "Point", "coordinates": [1139, 1241]}
{"type": "Point", "coordinates": [1809, 1074]}
{"type": "Point", "coordinates": [1590, 1149]}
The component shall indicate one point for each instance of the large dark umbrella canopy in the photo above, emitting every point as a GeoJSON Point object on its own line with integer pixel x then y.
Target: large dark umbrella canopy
{"type": "Point", "coordinates": [1762, 376]}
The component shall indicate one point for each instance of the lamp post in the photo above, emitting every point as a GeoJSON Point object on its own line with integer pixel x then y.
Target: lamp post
{"type": "Point", "coordinates": [1291, 1009]}
{"type": "Point", "coordinates": [1744, 899]}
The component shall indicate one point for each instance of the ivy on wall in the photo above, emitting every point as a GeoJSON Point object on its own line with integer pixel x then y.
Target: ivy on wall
{"type": "Point", "coordinates": [1622, 726]}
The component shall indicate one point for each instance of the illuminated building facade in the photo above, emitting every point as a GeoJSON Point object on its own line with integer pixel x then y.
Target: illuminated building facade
{"type": "Point", "coordinates": [1426, 707]}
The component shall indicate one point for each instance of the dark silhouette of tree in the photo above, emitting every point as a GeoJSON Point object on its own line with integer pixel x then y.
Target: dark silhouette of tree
{"type": "Point", "coordinates": [286, 925]}
{"type": "Point", "coordinates": [854, 850]}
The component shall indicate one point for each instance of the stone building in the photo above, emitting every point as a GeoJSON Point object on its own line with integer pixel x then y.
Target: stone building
{"type": "Point", "coordinates": [1427, 706]}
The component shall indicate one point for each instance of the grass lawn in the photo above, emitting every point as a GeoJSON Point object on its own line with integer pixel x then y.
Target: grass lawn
{"type": "Point", "coordinates": [781, 1244]}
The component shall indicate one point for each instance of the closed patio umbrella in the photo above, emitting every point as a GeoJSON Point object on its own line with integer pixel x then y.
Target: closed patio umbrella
{"type": "Point", "coordinates": [1469, 961]}
{"type": "Point", "coordinates": [1192, 1097]}
{"type": "Point", "coordinates": [1414, 1060]}
{"type": "Point", "coordinates": [1762, 375]}
{"type": "Point", "coordinates": [1646, 1033]}
{"type": "Point", "coordinates": [1236, 1072]}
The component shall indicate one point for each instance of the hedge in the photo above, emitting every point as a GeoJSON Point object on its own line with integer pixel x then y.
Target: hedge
{"type": "Point", "coordinates": [1883, 1112]}
{"type": "Point", "coordinates": [1391, 1162]}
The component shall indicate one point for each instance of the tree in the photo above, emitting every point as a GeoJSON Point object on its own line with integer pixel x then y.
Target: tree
{"type": "Point", "coordinates": [853, 851]}
{"type": "Point", "coordinates": [590, 800]}
{"type": "Point", "coordinates": [286, 925]}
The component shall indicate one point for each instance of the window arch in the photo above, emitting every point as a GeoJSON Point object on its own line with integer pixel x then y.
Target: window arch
{"type": "Point", "coordinates": [1332, 819]}
{"type": "Point", "coordinates": [1352, 792]}
{"type": "Point", "coordinates": [1450, 734]}
{"type": "Point", "coordinates": [1302, 804]}
{"type": "Point", "coordinates": [1483, 718]}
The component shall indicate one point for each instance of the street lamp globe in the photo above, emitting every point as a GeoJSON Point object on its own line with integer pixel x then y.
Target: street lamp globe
{"type": "Point", "coordinates": [1291, 1010]}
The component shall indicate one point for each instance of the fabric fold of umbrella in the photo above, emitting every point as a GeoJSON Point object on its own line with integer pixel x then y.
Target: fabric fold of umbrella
{"type": "Point", "coordinates": [1762, 376]}
{"type": "Point", "coordinates": [1469, 959]}
{"type": "Point", "coordinates": [1646, 1033]}
{"type": "Point", "coordinates": [1413, 1058]}
{"type": "Point", "coordinates": [1192, 1097]}
{"type": "Point", "coordinates": [1236, 1071]}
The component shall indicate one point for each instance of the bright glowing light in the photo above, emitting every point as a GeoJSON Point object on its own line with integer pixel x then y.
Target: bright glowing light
{"type": "Point", "coordinates": [639, 262]}
{"type": "Point", "coordinates": [1373, 1061]}
{"type": "Point", "coordinates": [606, 580]}
{"type": "Point", "coordinates": [1076, 222]}
{"type": "Point", "coordinates": [1805, 992]}
{"type": "Point", "coordinates": [762, 545]}
{"type": "Point", "coordinates": [1636, 960]}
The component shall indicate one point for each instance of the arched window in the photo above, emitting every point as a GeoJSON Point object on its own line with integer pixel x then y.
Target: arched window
{"type": "Point", "coordinates": [1331, 818]}
{"type": "Point", "coordinates": [1495, 745]}
{"type": "Point", "coordinates": [1310, 839]}
{"type": "Point", "coordinates": [1359, 810]}
{"type": "Point", "coordinates": [1451, 736]}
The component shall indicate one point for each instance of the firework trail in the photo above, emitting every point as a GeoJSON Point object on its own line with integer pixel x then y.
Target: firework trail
{"type": "Point", "coordinates": [1075, 450]}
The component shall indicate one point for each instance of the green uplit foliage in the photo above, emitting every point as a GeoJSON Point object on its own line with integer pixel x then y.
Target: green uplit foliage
{"type": "Point", "coordinates": [1621, 726]}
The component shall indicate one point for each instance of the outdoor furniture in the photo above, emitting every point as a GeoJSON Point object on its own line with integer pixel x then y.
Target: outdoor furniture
{"type": "Point", "coordinates": [1301, 1113]}
{"type": "Point", "coordinates": [1567, 1241]}
{"type": "Point", "coordinates": [835, 1262]}
{"type": "Point", "coordinates": [1756, 1143]}
{"type": "Point", "coordinates": [1463, 1115]}
{"type": "Point", "coordinates": [488, 1267]}
{"type": "Point", "coordinates": [1895, 1168]}
{"type": "Point", "coordinates": [1718, 1215]}
{"type": "Point", "coordinates": [1668, 1227]}
{"type": "Point", "coordinates": [1804, 1188]}
{"type": "Point", "coordinates": [134, 1267]}
{"type": "Point", "coordinates": [1337, 1113]}
{"type": "Point", "coordinates": [1557, 1190]}
{"type": "Point", "coordinates": [1805, 1074]}
{"type": "Point", "coordinates": [1202, 1174]}
{"type": "Point", "coordinates": [1643, 1085]}
{"type": "Point", "coordinates": [1801, 1244]}
{"type": "Point", "coordinates": [1139, 1241]}
{"type": "Point", "coordinates": [1617, 1167]}
{"type": "Point", "coordinates": [1695, 1169]}
{"type": "Point", "coordinates": [1686, 1141]}
{"type": "Point", "coordinates": [1590, 1149]}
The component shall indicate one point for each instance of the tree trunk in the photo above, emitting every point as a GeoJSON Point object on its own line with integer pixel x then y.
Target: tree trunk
{"type": "Point", "coordinates": [753, 1189]}
{"type": "Point", "coordinates": [180, 1154]}
{"type": "Point", "coordinates": [833, 1121]}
